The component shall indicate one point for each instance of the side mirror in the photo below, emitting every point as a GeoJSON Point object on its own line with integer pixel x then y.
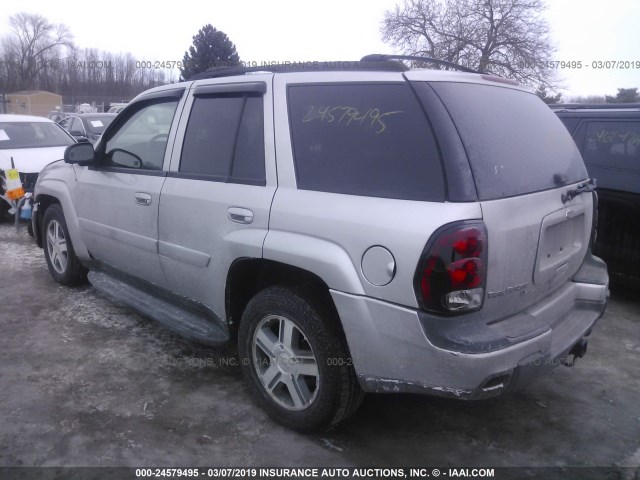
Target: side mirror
{"type": "Point", "coordinates": [82, 139]}
{"type": "Point", "coordinates": [80, 153]}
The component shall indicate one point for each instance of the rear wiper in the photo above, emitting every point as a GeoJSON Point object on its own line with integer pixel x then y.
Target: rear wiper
{"type": "Point", "coordinates": [589, 186]}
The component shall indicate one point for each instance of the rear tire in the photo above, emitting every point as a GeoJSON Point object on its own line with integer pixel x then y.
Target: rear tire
{"type": "Point", "coordinates": [64, 265]}
{"type": "Point", "coordinates": [295, 360]}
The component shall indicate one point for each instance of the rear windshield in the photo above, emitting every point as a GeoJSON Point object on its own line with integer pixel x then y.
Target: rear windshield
{"type": "Point", "coordinates": [97, 125]}
{"type": "Point", "coordinates": [515, 143]}
{"type": "Point", "coordinates": [32, 135]}
{"type": "Point", "coordinates": [364, 139]}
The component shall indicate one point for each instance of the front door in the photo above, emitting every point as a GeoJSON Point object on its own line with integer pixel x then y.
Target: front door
{"type": "Point", "coordinates": [118, 201]}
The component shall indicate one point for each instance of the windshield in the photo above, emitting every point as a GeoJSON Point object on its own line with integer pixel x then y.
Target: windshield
{"type": "Point", "coordinates": [32, 135]}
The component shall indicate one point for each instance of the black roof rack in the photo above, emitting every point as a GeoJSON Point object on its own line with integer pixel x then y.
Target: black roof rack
{"type": "Point", "coordinates": [593, 106]}
{"type": "Point", "coordinates": [378, 57]}
{"type": "Point", "coordinates": [315, 66]}
{"type": "Point", "coordinates": [373, 62]}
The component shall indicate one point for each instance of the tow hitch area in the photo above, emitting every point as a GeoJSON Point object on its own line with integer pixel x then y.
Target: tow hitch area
{"type": "Point", "coordinates": [577, 351]}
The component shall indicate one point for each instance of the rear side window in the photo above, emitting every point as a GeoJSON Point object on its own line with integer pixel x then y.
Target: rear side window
{"type": "Point", "coordinates": [364, 139]}
{"type": "Point", "coordinates": [515, 144]}
{"type": "Point", "coordinates": [224, 140]}
{"type": "Point", "coordinates": [613, 144]}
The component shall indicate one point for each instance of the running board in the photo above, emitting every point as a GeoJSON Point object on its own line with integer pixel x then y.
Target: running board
{"type": "Point", "coordinates": [182, 320]}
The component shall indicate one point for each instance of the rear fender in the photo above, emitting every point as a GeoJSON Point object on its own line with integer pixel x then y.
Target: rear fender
{"type": "Point", "coordinates": [325, 259]}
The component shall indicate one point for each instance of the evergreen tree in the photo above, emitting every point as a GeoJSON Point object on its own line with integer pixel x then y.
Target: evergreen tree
{"type": "Point", "coordinates": [548, 98]}
{"type": "Point", "coordinates": [625, 95]}
{"type": "Point", "coordinates": [211, 48]}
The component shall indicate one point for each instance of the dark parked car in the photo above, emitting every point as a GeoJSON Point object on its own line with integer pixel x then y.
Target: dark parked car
{"type": "Point", "coordinates": [87, 126]}
{"type": "Point", "coordinates": [608, 136]}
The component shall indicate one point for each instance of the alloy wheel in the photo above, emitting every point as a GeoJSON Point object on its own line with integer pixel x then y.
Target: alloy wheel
{"type": "Point", "coordinates": [285, 363]}
{"type": "Point", "coordinates": [57, 247]}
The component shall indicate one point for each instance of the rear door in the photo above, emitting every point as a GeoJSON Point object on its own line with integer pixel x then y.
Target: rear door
{"type": "Point", "coordinates": [214, 206]}
{"type": "Point", "coordinates": [522, 160]}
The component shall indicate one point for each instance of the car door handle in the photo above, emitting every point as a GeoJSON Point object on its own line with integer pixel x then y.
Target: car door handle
{"type": "Point", "coordinates": [143, 199]}
{"type": "Point", "coordinates": [240, 215]}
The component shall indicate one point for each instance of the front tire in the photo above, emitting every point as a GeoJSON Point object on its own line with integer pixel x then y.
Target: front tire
{"type": "Point", "coordinates": [64, 265]}
{"type": "Point", "coordinates": [295, 360]}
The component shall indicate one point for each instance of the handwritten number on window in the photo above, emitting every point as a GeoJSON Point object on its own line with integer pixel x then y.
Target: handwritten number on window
{"type": "Point", "coordinates": [606, 136]}
{"type": "Point", "coordinates": [373, 118]}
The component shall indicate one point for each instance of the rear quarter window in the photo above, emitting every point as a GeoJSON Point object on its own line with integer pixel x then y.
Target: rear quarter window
{"type": "Point", "coordinates": [364, 139]}
{"type": "Point", "coordinates": [515, 144]}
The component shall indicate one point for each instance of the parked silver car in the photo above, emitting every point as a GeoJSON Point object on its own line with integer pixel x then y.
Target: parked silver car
{"type": "Point", "coordinates": [354, 227]}
{"type": "Point", "coordinates": [87, 127]}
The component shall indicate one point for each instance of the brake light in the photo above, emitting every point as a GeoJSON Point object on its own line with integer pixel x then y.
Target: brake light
{"type": "Point", "coordinates": [451, 276]}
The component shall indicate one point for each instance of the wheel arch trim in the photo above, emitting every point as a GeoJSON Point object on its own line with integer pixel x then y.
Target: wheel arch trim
{"type": "Point", "coordinates": [59, 190]}
{"type": "Point", "coordinates": [326, 260]}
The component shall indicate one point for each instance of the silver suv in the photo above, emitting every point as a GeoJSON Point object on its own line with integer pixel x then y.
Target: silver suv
{"type": "Point", "coordinates": [354, 227]}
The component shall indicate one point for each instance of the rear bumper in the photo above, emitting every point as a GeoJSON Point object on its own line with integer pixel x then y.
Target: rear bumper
{"type": "Point", "coordinates": [397, 349]}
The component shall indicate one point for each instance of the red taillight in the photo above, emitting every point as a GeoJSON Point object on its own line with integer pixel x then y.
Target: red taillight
{"type": "Point", "coordinates": [452, 273]}
{"type": "Point", "coordinates": [468, 273]}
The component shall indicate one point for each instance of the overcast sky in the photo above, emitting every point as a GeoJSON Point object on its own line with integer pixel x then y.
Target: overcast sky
{"type": "Point", "coordinates": [290, 30]}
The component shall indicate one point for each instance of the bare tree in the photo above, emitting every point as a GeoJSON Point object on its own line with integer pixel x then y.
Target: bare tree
{"type": "Point", "coordinates": [33, 45]}
{"type": "Point", "coordinates": [505, 37]}
{"type": "Point", "coordinates": [39, 55]}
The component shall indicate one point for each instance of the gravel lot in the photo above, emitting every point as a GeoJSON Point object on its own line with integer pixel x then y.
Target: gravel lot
{"type": "Point", "coordinates": [86, 382]}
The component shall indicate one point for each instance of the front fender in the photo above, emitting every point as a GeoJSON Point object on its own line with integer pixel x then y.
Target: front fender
{"type": "Point", "coordinates": [56, 181]}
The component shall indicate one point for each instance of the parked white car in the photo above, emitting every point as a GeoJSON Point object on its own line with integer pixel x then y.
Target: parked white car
{"type": "Point", "coordinates": [33, 143]}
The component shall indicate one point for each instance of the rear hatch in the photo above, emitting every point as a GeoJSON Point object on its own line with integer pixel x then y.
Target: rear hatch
{"type": "Point", "coordinates": [522, 160]}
